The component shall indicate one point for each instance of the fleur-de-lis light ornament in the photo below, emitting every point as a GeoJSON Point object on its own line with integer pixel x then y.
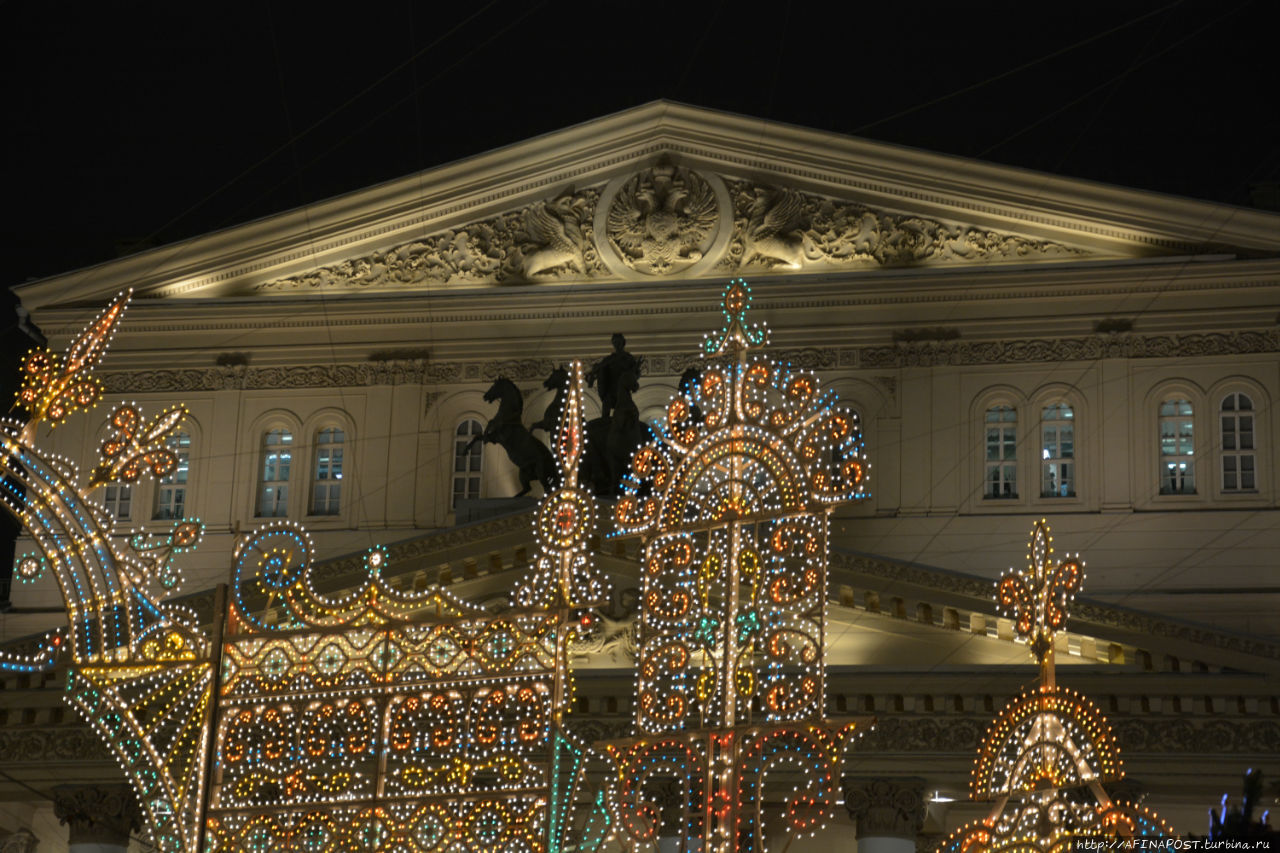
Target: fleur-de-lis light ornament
{"type": "Point", "coordinates": [1037, 598]}
{"type": "Point", "coordinates": [136, 446]}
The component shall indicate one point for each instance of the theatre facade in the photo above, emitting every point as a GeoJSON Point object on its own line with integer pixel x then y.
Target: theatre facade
{"type": "Point", "coordinates": [1016, 346]}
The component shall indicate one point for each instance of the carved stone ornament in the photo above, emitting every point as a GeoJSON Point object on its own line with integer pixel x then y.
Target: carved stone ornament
{"type": "Point", "coordinates": [22, 841]}
{"type": "Point", "coordinates": [886, 808]}
{"type": "Point", "coordinates": [662, 220]}
{"type": "Point", "coordinates": [97, 814]}
{"type": "Point", "coordinates": [780, 228]}
{"type": "Point", "coordinates": [665, 220]}
{"type": "Point", "coordinates": [546, 240]}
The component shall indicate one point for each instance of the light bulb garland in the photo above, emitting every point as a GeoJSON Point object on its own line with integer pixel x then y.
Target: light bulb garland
{"type": "Point", "coordinates": [1047, 754]}
{"type": "Point", "coordinates": [140, 670]}
{"type": "Point", "coordinates": [732, 499]}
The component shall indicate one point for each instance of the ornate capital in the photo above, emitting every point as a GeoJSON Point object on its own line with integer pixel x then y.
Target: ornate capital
{"type": "Point", "coordinates": [97, 814]}
{"type": "Point", "coordinates": [22, 841]}
{"type": "Point", "coordinates": [881, 808]}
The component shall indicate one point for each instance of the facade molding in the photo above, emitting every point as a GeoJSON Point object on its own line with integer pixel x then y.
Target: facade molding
{"type": "Point", "coordinates": [905, 354]}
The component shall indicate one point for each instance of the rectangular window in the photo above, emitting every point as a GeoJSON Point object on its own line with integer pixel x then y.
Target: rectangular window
{"type": "Point", "coordinates": [1238, 452]}
{"type": "Point", "coordinates": [1177, 448]}
{"type": "Point", "coordinates": [467, 461]}
{"type": "Point", "coordinates": [1057, 452]}
{"type": "Point", "coordinates": [171, 491]}
{"type": "Point", "coordinates": [273, 486]}
{"type": "Point", "coordinates": [326, 487]}
{"type": "Point", "coordinates": [1001, 453]}
{"type": "Point", "coordinates": [118, 499]}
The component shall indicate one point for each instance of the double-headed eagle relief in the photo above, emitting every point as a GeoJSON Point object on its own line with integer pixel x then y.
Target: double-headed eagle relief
{"type": "Point", "coordinates": [662, 220]}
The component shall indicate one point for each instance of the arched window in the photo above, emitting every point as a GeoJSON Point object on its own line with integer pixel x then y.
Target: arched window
{"type": "Point", "coordinates": [1239, 469]}
{"type": "Point", "coordinates": [1177, 448]}
{"type": "Point", "coordinates": [1002, 453]}
{"type": "Point", "coordinates": [273, 482]}
{"type": "Point", "coordinates": [171, 491]}
{"type": "Point", "coordinates": [326, 481]}
{"type": "Point", "coordinates": [1057, 451]}
{"type": "Point", "coordinates": [118, 499]}
{"type": "Point", "coordinates": [467, 461]}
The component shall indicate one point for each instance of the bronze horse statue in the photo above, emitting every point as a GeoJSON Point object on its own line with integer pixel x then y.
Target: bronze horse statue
{"type": "Point", "coordinates": [558, 381]}
{"type": "Point", "coordinates": [506, 429]}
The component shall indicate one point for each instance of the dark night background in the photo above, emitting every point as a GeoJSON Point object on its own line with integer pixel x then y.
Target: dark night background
{"type": "Point", "coordinates": [134, 124]}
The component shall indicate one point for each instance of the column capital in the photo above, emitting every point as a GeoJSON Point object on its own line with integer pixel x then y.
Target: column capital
{"type": "Point", "coordinates": [22, 841]}
{"type": "Point", "coordinates": [97, 814]}
{"type": "Point", "coordinates": [885, 807]}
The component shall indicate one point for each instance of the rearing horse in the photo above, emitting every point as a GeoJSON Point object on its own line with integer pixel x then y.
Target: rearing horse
{"type": "Point", "coordinates": [506, 429]}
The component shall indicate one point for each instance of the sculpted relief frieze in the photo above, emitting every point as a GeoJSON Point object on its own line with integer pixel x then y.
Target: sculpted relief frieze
{"type": "Point", "coordinates": [670, 220]}
{"type": "Point", "coordinates": [551, 239]}
{"type": "Point", "coordinates": [785, 229]}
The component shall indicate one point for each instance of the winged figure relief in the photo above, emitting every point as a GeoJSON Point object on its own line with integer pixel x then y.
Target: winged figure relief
{"type": "Point", "coordinates": [555, 229]}
{"type": "Point", "coordinates": [662, 219]}
{"type": "Point", "coordinates": [775, 228]}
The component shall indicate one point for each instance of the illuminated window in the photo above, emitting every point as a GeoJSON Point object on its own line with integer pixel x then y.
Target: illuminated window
{"type": "Point", "coordinates": [171, 491]}
{"type": "Point", "coordinates": [467, 460]}
{"type": "Point", "coordinates": [1057, 452]}
{"type": "Point", "coordinates": [326, 485]}
{"type": "Point", "coordinates": [1239, 464]}
{"type": "Point", "coordinates": [1002, 453]}
{"type": "Point", "coordinates": [118, 499]}
{"type": "Point", "coordinates": [273, 484]}
{"type": "Point", "coordinates": [1177, 448]}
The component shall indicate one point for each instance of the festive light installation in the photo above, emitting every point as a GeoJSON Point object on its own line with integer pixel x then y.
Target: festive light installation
{"type": "Point", "coordinates": [140, 671]}
{"type": "Point", "coordinates": [406, 721]}
{"type": "Point", "coordinates": [1046, 757]}
{"type": "Point", "coordinates": [732, 499]}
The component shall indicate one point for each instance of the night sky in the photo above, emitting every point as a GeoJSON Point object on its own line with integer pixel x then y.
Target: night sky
{"type": "Point", "coordinates": [134, 124]}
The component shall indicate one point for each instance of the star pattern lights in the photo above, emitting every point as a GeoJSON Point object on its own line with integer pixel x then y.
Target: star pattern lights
{"type": "Point", "coordinates": [1045, 758]}
{"type": "Point", "coordinates": [732, 499]}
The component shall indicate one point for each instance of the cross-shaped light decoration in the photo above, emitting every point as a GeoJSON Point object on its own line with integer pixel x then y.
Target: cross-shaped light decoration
{"type": "Point", "coordinates": [1037, 598]}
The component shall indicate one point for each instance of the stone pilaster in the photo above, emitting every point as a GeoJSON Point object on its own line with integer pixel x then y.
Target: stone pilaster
{"type": "Point", "coordinates": [100, 817]}
{"type": "Point", "coordinates": [888, 813]}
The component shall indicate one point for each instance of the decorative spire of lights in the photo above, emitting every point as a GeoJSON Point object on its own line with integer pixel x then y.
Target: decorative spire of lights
{"type": "Point", "coordinates": [54, 386]}
{"type": "Point", "coordinates": [732, 498]}
{"type": "Point", "coordinates": [563, 574]}
{"type": "Point", "coordinates": [1045, 758]}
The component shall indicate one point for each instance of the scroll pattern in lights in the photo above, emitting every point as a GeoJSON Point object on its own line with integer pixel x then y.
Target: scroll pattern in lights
{"type": "Point", "coordinates": [732, 499]}
{"type": "Point", "coordinates": [140, 670]}
{"type": "Point", "coordinates": [1044, 759]}
{"type": "Point", "coordinates": [436, 709]}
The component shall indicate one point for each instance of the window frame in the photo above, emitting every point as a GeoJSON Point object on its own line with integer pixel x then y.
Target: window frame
{"type": "Point", "coordinates": [1175, 397]}
{"type": "Point", "coordinates": [1237, 453]}
{"type": "Point", "coordinates": [184, 467]}
{"type": "Point", "coordinates": [470, 472]}
{"type": "Point", "coordinates": [335, 484]}
{"type": "Point", "coordinates": [986, 463]}
{"type": "Point", "coordinates": [260, 472]}
{"type": "Point", "coordinates": [1044, 462]}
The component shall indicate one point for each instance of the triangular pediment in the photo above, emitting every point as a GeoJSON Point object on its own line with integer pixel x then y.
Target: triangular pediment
{"type": "Point", "coordinates": [670, 191]}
